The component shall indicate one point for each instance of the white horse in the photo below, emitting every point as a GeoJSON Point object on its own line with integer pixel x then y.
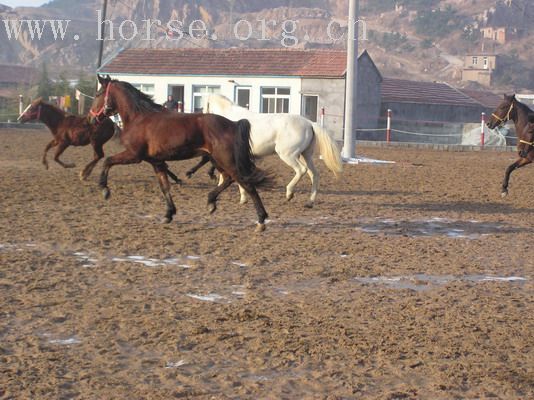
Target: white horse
{"type": "Point", "coordinates": [290, 136]}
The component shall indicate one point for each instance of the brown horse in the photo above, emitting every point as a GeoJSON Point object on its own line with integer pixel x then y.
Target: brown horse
{"type": "Point", "coordinates": [155, 135]}
{"type": "Point", "coordinates": [513, 110]}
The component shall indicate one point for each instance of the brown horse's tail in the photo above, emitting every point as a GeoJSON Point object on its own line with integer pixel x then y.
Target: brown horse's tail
{"type": "Point", "coordinates": [244, 159]}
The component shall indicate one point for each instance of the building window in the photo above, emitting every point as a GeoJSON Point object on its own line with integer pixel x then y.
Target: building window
{"type": "Point", "coordinates": [243, 97]}
{"type": "Point", "coordinates": [485, 62]}
{"type": "Point", "coordinates": [310, 107]}
{"type": "Point", "coordinates": [275, 100]}
{"type": "Point", "coordinates": [200, 93]}
{"type": "Point", "coordinates": [146, 88]}
{"type": "Point", "coordinates": [475, 60]}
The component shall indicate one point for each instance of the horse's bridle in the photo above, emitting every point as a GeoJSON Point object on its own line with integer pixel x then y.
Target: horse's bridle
{"type": "Point", "coordinates": [505, 119]}
{"type": "Point", "coordinates": [36, 115]}
{"type": "Point", "coordinates": [105, 107]}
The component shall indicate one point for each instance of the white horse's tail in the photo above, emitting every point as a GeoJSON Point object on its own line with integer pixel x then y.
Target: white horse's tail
{"type": "Point", "coordinates": [328, 149]}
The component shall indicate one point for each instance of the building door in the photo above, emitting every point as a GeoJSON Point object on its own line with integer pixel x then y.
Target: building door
{"type": "Point", "coordinates": [310, 107]}
{"type": "Point", "coordinates": [177, 92]}
{"type": "Point", "coordinates": [243, 97]}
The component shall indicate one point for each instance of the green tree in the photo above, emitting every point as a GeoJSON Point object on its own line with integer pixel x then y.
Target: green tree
{"type": "Point", "coordinates": [44, 88]}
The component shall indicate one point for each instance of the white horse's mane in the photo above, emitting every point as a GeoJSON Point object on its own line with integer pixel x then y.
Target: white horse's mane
{"type": "Point", "coordinates": [224, 103]}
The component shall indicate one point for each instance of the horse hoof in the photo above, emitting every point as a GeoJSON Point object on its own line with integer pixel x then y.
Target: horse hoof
{"type": "Point", "coordinates": [70, 165]}
{"type": "Point", "coordinates": [83, 176]}
{"type": "Point", "coordinates": [167, 220]}
{"type": "Point", "coordinates": [106, 193]}
{"type": "Point", "coordinates": [290, 196]}
{"type": "Point", "coordinates": [504, 194]}
{"type": "Point", "coordinates": [243, 201]}
{"type": "Point", "coordinates": [211, 208]}
{"type": "Point", "coordinates": [309, 204]}
{"type": "Point", "coordinates": [260, 228]}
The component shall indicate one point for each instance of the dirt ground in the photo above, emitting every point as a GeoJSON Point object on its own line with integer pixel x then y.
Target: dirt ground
{"type": "Point", "coordinates": [406, 281]}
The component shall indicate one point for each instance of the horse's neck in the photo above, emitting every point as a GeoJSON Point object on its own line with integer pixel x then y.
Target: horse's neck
{"type": "Point", "coordinates": [51, 117]}
{"type": "Point", "coordinates": [521, 118]}
{"type": "Point", "coordinates": [125, 109]}
{"type": "Point", "coordinates": [233, 112]}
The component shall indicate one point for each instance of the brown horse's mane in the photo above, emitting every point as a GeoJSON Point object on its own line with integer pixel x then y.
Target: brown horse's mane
{"type": "Point", "coordinates": [51, 106]}
{"type": "Point", "coordinates": [141, 102]}
{"type": "Point", "coordinates": [524, 107]}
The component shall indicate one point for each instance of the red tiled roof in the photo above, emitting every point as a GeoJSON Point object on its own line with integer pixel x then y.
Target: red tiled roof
{"type": "Point", "coordinates": [487, 99]}
{"type": "Point", "coordinates": [17, 74]}
{"type": "Point", "coordinates": [400, 90]}
{"type": "Point", "coordinates": [264, 62]}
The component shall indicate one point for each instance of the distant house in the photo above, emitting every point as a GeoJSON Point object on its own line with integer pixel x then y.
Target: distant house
{"type": "Point", "coordinates": [13, 76]}
{"type": "Point", "coordinates": [262, 80]}
{"type": "Point", "coordinates": [528, 99]}
{"type": "Point", "coordinates": [480, 67]}
{"type": "Point", "coordinates": [295, 81]}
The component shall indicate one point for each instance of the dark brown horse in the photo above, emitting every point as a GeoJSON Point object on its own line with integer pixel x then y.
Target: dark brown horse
{"type": "Point", "coordinates": [69, 130]}
{"type": "Point", "coordinates": [513, 110]}
{"type": "Point", "coordinates": [155, 135]}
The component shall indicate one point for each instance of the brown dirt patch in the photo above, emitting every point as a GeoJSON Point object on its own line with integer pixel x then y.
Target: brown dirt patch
{"type": "Point", "coordinates": [388, 289]}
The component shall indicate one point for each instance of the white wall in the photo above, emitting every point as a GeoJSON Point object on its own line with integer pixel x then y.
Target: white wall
{"type": "Point", "coordinates": [227, 88]}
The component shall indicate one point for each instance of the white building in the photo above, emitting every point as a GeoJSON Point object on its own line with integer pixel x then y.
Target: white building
{"type": "Point", "coordinates": [263, 80]}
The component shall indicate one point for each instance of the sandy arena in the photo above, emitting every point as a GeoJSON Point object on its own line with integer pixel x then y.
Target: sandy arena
{"type": "Point", "coordinates": [406, 281]}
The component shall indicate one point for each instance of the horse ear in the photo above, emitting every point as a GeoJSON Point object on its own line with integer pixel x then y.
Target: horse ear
{"type": "Point", "coordinates": [103, 80]}
{"type": "Point", "coordinates": [513, 97]}
{"type": "Point", "coordinates": [108, 77]}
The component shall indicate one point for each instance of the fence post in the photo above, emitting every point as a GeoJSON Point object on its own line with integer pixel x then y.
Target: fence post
{"type": "Point", "coordinates": [482, 125]}
{"type": "Point", "coordinates": [322, 117]}
{"type": "Point", "coordinates": [388, 127]}
{"type": "Point", "coordinates": [21, 104]}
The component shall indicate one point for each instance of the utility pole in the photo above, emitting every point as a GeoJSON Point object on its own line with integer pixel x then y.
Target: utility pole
{"type": "Point", "coordinates": [103, 25]}
{"type": "Point", "coordinates": [351, 100]}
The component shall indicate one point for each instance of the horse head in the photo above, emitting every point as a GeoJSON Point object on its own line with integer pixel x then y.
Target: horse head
{"type": "Point", "coordinates": [103, 105]}
{"type": "Point", "coordinates": [503, 113]}
{"type": "Point", "coordinates": [32, 112]}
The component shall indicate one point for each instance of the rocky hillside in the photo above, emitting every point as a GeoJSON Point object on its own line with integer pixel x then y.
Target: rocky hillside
{"type": "Point", "coordinates": [418, 39]}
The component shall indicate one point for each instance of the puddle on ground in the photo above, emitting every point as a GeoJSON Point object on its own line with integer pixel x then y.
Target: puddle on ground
{"type": "Point", "coordinates": [155, 262]}
{"type": "Point", "coordinates": [434, 227]}
{"type": "Point", "coordinates": [177, 364]}
{"type": "Point", "coordinates": [85, 259]}
{"type": "Point", "coordinates": [212, 297]}
{"type": "Point", "coordinates": [65, 342]}
{"type": "Point", "coordinates": [422, 282]}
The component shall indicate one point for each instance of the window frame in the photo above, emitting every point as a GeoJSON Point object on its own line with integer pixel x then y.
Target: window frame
{"type": "Point", "coordinates": [276, 96]}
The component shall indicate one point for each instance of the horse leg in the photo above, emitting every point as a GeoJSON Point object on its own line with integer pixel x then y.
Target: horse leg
{"type": "Point", "coordinates": [299, 169]}
{"type": "Point", "coordinates": [211, 172]}
{"type": "Point", "coordinates": [242, 195]}
{"type": "Point", "coordinates": [214, 194]}
{"type": "Point", "coordinates": [171, 175]}
{"type": "Point", "coordinates": [123, 158]}
{"type": "Point", "coordinates": [162, 173]}
{"type": "Point", "coordinates": [313, 173]}
{"type": "Point", "coordinates": [518, 164]}
{"type": "Point", "coordinates": [61, 148]}
{"type": "Point", "coordinates": [258, 205]}
{"type": "Point", "coordinates": [204, 160]}
{"type": "Point", "coordinates": [99, 154]}
{"type": "Point", "coordinates": [47, 148]}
